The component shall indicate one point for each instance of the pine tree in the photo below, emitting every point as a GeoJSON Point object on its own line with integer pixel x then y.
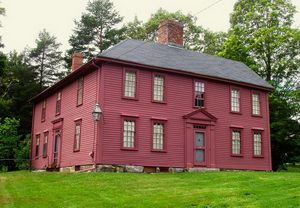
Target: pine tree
{"type": "Point", "coordinates": [97, 29]}
{"type": "Point", "coordinates": [46, 59]}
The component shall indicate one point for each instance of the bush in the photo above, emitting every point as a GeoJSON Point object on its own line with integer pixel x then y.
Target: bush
{"type": "Point", "coordinates": [23, 154]}
{"type": "Point", "coordinates": [289, 167]}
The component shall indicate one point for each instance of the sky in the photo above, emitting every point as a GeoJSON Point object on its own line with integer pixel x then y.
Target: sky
{"type": "Point", "coordinates": [24, 19]}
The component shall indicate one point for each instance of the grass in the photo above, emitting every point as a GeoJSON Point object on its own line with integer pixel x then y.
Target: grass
{"type": "Point", "coordinates": [186, 190]}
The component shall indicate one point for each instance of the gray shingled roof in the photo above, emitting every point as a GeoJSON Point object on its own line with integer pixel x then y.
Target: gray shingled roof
{"type": "Point", "coordinates": [166, 56]}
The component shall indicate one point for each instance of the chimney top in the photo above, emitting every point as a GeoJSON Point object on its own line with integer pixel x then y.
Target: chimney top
{"type": "Point", "coordinates": [77, 61]}
{"type": "Point", "coordinates": [170, 32]}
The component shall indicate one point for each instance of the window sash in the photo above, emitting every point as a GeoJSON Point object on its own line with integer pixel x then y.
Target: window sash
{"type": "Point", "coordinates": [44, 111]}
{"type": "Point", "coordinates": [58, 103]}
{"type": "Point", "coordinates": [45, 144]}
{"type": "Point", "coordinates": [77, 136]}
{"type": "Point", "coordinates": [80, 91]}
{"type": "Point", "coordinates": [158, 136]}
{"type": "Point", "coordinates": [45, 149]}
{"type": "Point", "coordinates": [130, 84]}
{"type": "Point", "coordinates": [129, 134]}
{"type": "Point", "coordinates": [256, 103]}
{"type": "Point", "coordinates": [159, 88]}
{"type": "Point", "coordinates": [235, 100]}
{"type": "Point", "coordinates": [57, 106]}
{"type": "Point", "coordinates": [236, 142]}
{"type": "Point", "coordinates": [257, 144]}
{"type": "Point", "coordinates": [37, 145]}
{"type": "Point", "coordinates": [199, 94]}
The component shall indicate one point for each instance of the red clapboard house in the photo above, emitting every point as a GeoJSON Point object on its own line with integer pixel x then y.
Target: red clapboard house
{"type": "Point", "coordinates": [162, 107]}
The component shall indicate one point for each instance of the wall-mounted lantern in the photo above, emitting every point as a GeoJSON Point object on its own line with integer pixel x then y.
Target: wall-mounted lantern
{"type": "Point", "coordinates": [97, 113]}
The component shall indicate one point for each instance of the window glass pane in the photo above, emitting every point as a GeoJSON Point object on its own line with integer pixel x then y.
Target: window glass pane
{"type": "Point", "coordinates": [257, 144]}
{"type": "Point", "coordinates": [130, 84]}
{"type": "Point", "coordinates": [58, 95]}
{"type": "Point", "coordinates": [236, 142]}
{"type": "Point", "coordinates": [256, 103]}
{"type": "Point", "coordinates": [200, 139]}
{"type": "Point", "coordinates": [56, 143]}
{"type": "Point", "coordinates": [158, 136]}
{"type": "Point", "coordinates": [159, 82]}
{"type": "Point", "coordinates": [129, 133]}
{"type": "Point", "coordinates": [46, 138]}
{"type": "Point", "coordinates": [37, 140]}
{"type": "Point", "coordinates": [235, 100]}
{"type": "Point", "coordinates": [200, 156]}
{"type": "Point", "coordinates": [44, 149]}
{"type": "Point", "coordinates": [199, 94]}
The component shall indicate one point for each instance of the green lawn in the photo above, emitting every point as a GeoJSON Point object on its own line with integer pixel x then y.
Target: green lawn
{"type": "Point", "coordinates": [210, 189]}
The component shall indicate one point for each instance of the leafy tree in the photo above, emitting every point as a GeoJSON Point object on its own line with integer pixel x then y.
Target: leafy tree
{"type": "Point", "coordinates": [2, 12]}
{"type": "Point", "coordinates": [46, 59]}
{"type": "Point", "coordinates": [23, 154]}
{"type": "Point", "coordinates": [3, 72]}
{"type": "Point", "coordinates": [96, 30]}
{"type": "Point", "coordinates": [195, 37]}
{"type": "Point", "coordinates": [262, 37]}
{"type": "Point", "coordinates": [8, 140]}
{"type": "Point", "coordinates": [285, 131]}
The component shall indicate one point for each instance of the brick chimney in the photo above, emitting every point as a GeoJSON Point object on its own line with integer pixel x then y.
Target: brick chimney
{"type": "Point", "coordinates": [170, 32]}
{"type": "Point", "coordinates": [77, 61]}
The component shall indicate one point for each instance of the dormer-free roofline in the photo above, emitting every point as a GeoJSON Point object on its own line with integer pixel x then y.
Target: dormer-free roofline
{"type": "Point", "coordinates": [96, 62]}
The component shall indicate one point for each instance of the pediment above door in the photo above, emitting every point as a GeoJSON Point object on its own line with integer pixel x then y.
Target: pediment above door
{"type": "Point", "coordinates": [200, 114]}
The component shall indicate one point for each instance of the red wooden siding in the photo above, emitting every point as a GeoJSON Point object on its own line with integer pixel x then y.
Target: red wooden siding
{"type": "Point", "coordinates": [216, 122]}
{"type": "Point", "coordinates": [70, 113]}
{"type": "Point", "coordinates": [179, 90]}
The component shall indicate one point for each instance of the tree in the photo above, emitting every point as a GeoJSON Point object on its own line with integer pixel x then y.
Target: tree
{"type": "Point", "coordinates": [8, 143]}
{"type": "Point", "coordinates": [195, 37]}
{"type": "Point", "coordinates": [46, 59]}
{"type": "Point", "coordinates": [2, 12]}
{"type": "Point", "coordinates": [262, 37]}
{"type": "Point", "coordinates": [3, 74]}
{"type": "Point", "coordinates": [23, 154]}
{"type": "Point", "coordinates": [21, 90]}
{"type": "Point", "coordinates": [97, 29]}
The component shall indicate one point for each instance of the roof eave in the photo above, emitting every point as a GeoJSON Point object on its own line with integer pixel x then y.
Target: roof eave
{"type": "Point", "coordinates": [178, 71]}
{"type": "Point", "coordinates": [63, 82]}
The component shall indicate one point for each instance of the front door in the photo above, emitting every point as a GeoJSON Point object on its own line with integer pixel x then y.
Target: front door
{"type": "Point", "coordinates": [199, 149]}
{"type": "Point", "coordinates": [56, 147]}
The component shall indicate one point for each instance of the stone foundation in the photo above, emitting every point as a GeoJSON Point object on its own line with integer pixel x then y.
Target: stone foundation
{"type": "Point", "coordinates": [132, 169]}
{"type": "Point", "coordinates": [196, 170]}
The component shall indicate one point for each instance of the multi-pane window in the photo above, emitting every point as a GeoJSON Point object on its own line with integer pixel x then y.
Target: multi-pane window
{"type": "Point", "coordinates": [130, 84]}
{"type": "Point", "coordinates": [158, 136]}
{"type": "Point", "coordinates": [256, 103]}
{"type": "Point", "coordinates": [44, 111]}
{"type": "Point", "coordinates": [159, 88]}
{"type": "Point", "coordinates": [236, 142]}
{"type": "Point", "coordinates": [199, 94]}
{"type": "Point", "coordinates": [37, 145]}
{"type": "Point", "coordinates": [129, 133]}
{"type": "Point", "coordinates": [58, 103]}
{"type": "Point", "coordinates": [235, 100]}
{"type": "Point", "coordinates": [45, 144]}
{"type": "Point", "coordinates": [80, 91]}
{"type": "Point", "coordinates": [257, 144]}
{"type": "Point", "coordinates": [77, 135]}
